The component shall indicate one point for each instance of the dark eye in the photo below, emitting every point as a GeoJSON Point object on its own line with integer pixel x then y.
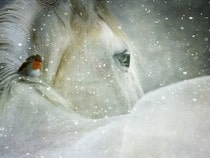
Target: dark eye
{"type": "Point", "coordinates": [123, 58]}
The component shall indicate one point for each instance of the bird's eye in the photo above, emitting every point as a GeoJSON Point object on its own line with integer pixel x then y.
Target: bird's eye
{"type": "Point", "coordinates": [37, 60]}
{"type": "Point", "coordinates": [123, 58]}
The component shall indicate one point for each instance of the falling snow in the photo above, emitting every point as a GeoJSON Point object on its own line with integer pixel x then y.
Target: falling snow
{"type": "Point", "coordinates": [172, 58]}
{"type": "Point", "coordinates": [20, 44]}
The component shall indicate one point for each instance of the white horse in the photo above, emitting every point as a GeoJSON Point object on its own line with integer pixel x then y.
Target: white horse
{"type": "Point", "coordinates": [89, 72]}
{"type": "Point", "coordinates": [87, 58]}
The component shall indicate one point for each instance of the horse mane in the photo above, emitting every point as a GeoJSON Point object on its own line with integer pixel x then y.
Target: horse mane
{"type": "Point", "coordinates": [15, 27]}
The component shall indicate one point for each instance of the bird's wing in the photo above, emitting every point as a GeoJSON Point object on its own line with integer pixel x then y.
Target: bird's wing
{"type": "Point", "coordinates": [23, 66]}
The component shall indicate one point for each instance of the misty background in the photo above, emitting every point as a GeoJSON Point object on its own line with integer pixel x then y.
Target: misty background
{"type": "Point", "coordinates": [171, 36]}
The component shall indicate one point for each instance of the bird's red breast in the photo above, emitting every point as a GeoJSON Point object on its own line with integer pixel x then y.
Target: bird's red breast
{"type": "Point", "coordinates": [37, 64]}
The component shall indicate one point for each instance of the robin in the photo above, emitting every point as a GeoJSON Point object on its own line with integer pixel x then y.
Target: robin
{"type": "Point", "coordinates": [32, 67]}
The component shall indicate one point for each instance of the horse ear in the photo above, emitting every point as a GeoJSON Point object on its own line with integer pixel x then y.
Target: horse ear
{"type": "Point", "coordinates": [47, 2]}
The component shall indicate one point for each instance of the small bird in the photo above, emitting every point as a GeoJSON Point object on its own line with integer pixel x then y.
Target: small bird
{"type": "Point", "coordinates": [32, 67]}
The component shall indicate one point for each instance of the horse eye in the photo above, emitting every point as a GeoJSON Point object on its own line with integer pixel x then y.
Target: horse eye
{"type": "Point", "coordinates": [124, 59]}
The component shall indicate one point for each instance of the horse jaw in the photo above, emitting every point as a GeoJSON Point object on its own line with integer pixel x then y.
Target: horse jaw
{"type": "Point", "coordinates": [90, 78]}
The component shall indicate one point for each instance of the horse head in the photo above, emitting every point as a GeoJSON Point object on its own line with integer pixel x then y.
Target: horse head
{"type": "Point", "coordinates": [87, 57]}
